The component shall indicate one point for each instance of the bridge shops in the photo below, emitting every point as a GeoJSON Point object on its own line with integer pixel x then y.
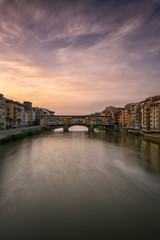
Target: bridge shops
{"type": "Point", "coordinates": [67, 121]}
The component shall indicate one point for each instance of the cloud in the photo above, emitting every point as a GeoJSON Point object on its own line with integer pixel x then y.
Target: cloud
{"type": "Point", "coordinates": [82, 51]}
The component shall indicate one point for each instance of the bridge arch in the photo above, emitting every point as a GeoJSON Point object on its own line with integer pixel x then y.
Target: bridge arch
{"type": "Point", "coordinates": [78, 128]}
{"type": "Point", "coordinates": [67, 127]}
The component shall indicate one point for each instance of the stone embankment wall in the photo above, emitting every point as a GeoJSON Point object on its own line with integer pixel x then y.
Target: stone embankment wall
{"type": "Point", "coordinates": [7, 133]}
{"type": "Point", "coordinates": [152, 135]}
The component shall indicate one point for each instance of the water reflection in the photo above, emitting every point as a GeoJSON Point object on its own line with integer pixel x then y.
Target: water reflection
{"type": "Point", "coordinates": [80, 185]}
{"type": "Point", "coordinates": [148, 150]}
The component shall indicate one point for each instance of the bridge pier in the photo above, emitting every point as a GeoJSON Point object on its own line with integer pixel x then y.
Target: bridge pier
{"type": "Point", "coordinates": [91, 128]}
{"type": "Point", "coordinates": [65, 128]}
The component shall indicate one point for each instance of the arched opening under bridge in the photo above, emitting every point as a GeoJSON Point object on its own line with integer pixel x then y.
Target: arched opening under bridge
{"type": "Point", "coordinates": [78, 128]}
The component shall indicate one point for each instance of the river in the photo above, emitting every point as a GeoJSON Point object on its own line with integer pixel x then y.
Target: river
{"type": "Point", "coordinates": [80, 185]}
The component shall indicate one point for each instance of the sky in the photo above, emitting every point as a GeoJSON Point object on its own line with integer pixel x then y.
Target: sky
{"type": "Point", "coordinates": [79, 56]}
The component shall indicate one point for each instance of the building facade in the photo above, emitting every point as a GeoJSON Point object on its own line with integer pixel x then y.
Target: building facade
{"type": "Point", "coordinates": [24, 116]}
{"type": "Point", "coordinates": [134, 117]}
{"type": "Point", "coordinates": [120, 118]}
{"type": "Point", "coordinates": [145, 114]}
{"type": "Point", "coordinates": [40, 113]}
{"type": "Point", "coordinates": [13, 114]}
{"type": "Point", "coordinates": [155, 115]}
{"type": "Point", "coordinates": [150, 114]}
{"type": "Point", "coordinates": [28, 107]}
{"type": "Point", "coordinates": [112, 113]}
{"type": "Point", "coordinates": [2, 112]}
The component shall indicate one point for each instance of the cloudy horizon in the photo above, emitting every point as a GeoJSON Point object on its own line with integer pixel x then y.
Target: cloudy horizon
{"type": "Point", "coordinates": [77, 57]}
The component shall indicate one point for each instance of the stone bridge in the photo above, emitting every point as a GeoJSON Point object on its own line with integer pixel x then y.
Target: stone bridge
{"type": "Point", "coordinates": [67, 121]}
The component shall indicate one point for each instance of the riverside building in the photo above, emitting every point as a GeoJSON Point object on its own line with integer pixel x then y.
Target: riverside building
{"type": "Point", "coordinates": [28, 107]}
{"type": "Point", "coordinates": [2, 112]}
{"type": "Point", "coordinates": [155, 115]}
{"type": "Point", "coordinates": [24, 116]}
{"type": "Point", "coordinates": [150, 114]}
{"type": "Point", "coordinates": [145, 114]}
{"type": "Point", "coordinates": [40, 113]}
{"type": "Point", "coordinates": [13, 114]}
{"type": "Point", "coordinates": [134, 117]}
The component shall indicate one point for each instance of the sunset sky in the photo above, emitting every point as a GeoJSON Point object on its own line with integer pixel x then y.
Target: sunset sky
{"type": "Point", "coordinates": [77, 57]}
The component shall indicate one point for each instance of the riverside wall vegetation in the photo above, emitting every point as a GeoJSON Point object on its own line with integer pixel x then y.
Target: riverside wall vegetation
{"type": "Point", "coordinates": [15, 134]}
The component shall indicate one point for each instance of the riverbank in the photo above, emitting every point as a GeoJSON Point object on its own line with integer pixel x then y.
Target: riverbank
{"type": "Point", "coordinates": [104, 129]}
{"type": "Point", "coordinates": [20, 136]}
{"type": "Point", "coordinates": [135, 132]}
{"type": "Point", "coordinates": [155, 135]}
{"type": "Point", "coordinates": [15, 134]}
{"type": "Point", "coordinates": [7, 133]}
{"type": "Point", "coordinates": [147, 135]}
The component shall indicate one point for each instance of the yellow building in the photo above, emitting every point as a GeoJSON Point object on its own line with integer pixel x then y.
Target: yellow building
{"type": "Point", "coordinates": [155, 115]}
{"type": "Point", "coordinates": [126, 115]}
{"type": "Point", "coordinates": [120, 118]}
{"type": "Point", "coordinates": [13, 114]}
{"type": "Point", "coordinates": [150, 114]}
{"type": "Point", "coordinates": [123, 118]}
{"type": "Point", "coordinates": [145, 114]}
{"type": "Point", "coordinates": [133, 118]}
{"type": "Point", "coordinates": [109, 112]}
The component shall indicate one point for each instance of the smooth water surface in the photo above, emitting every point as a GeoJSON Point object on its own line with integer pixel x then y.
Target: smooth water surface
{"type": "Point", "coordinates": [80, 185]}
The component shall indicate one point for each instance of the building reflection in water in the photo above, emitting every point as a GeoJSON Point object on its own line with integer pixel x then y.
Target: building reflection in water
{"type": "Point", "coordinates": [147, 150]}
